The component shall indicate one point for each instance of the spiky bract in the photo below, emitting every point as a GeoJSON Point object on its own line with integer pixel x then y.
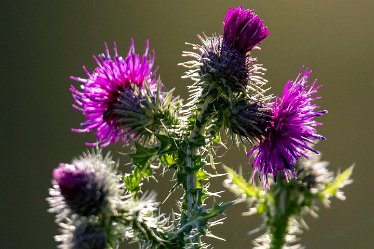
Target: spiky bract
{"type": "Point", "coordinates": [249, 120]}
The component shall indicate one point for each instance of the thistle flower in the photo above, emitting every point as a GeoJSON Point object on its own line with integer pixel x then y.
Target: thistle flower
{"type": "Point", "coordinates": [88, 186]}
{"type": "Point", "coordinates": [243, 29]}
{"type": "Point", "coordinates": [111, 81]}
{"type": "Point", "coordinates": [82, 236]}
{"type": "Point", "coordinates": [291, 132]}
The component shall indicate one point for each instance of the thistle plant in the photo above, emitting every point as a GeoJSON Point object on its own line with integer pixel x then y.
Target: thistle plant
{"type": "Point", "coordinates": [123, 100]}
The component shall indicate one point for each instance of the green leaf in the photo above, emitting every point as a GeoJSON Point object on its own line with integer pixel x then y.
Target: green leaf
{"type": "Point", "coordinates": [132, 183]}
{"type": "Point", "coordinates": [165, 143]}
{"type": "Point", "coordinates": [197, 162]}
{"type": "Point", "coordinates": [168, 159]}
{"type": "Point", "coordinates": [217, 138]}
{"type": "Point", "coordinates": [242, 185]}
{"type": "Point", "coordinates": [339, 182]}
{"type": "Point", "coordinates": [142, 159]}
{"type": "Point", "coordinates": [201, 175]}
{"type": "Point", "coordinates": [203, 216]}
{"type": "Point", "coordinates": [142, 155]}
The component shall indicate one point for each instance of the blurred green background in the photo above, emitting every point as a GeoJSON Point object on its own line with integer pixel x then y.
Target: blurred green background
{"type": "Point", "coordinates": [42, 43]}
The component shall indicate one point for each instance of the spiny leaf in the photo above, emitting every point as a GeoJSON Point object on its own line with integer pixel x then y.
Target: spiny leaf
{"type": "Point", "coordinates": [165, 143]}
{"type": "Point", "coordinates": [242, 185]}
{"type": "Point", "coordinates": [339, 182]}
{"type": "Point", "coordinates": [201, 175]}
{"type": "Point", "coordinates": [203, 216]}
{"type": "Point", "coordinates": [142, 155]}
{"type": "Point", "coordinates": [168, 159]}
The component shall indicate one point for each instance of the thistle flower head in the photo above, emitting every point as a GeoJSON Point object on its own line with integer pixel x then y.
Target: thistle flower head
{"type": "Point", "coordinates": [111, 81]}
{"type": "Point", "coordinates": [291, 131]}
{"type": "Point", "coordinates": [243, 29]}
{"type": "Point", "coordinates": [222, 67]}
{"type": "Point", "coordinates": [88, 186]}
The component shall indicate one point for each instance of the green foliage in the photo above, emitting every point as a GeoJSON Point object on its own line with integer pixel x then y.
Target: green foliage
{"type": "Point", "coordinates": [202, 217]}
{"type": "Point", "coordinates": [142, 158]}
{"type": "Point", "coordinates": [284, 204]}
{"type": "Point", "coordinates": [334, 188]}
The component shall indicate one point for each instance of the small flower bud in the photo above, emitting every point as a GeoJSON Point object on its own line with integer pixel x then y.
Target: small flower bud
{"type": "Point", "coordinates": [88, 236]}
{"type": "Point", "coordinates": [249, 120]}
{"type": "Point", "coordinates": [82, 236]}
{"type": "Point", "coordinates": [88, 186]}
{"type": "Point", "coordinates": [84, 191]}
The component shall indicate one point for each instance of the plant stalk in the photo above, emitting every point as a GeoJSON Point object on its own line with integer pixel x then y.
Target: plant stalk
{"type": "Point", "coordinates": [191, 191]}
{"type": "Point", "coordinates": [278, 232]}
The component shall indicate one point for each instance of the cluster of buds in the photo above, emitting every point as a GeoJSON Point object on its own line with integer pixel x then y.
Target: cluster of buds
{"type": "Point", "coordinates": [94, 210]}
{"type": "Point", "coordinates": [84, 194]}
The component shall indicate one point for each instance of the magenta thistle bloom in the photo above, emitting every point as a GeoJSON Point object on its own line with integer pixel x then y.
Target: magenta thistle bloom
{"type": "Point", "coordinates": [243, 29]}
{"type": "Point", "coordinates": [291, 132]}
{"type": "Point", "coordinates": [102, 91]}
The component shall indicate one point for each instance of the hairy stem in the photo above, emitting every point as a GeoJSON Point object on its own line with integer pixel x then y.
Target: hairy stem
{"type": "Point", "coordinates": [192, 194]}
{"type": "Point", "coordinates": [278, 224]}
{"type": "Point", "coordinates": [278, 232]}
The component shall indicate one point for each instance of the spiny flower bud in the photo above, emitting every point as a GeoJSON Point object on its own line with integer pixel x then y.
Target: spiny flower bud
{"type": "Point", "coordinates": [88, 186]}
{"type": "Point", "coordinates": [222, 66]}
{"type": "Point", "coordinates": [83, 236]}
{"type": "Point", "coordinates": [249, 119]}
{"type": "Point", "coordinates": [89, 237]}
{"type": "Point", "coordinates": [314, 173]}
{"type": "Point", "coordinates": [143, 112]}
{"type": "Point", "coordinates": [221, 63]}
{"type": "Point", "coordinates": [84, 192]}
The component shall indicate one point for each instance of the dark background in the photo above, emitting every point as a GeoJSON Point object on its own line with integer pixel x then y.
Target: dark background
{"type": "Point", "coordinates": [42, 43]}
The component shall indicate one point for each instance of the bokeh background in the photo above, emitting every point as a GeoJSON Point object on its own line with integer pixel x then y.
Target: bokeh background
{"type": "Point", "coordinates": [42, 43]}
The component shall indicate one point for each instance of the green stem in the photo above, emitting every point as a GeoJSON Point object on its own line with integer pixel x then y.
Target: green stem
{"type": "Point", "coordinates": [278, 232]}
{"type": "Point", "coordinates": [192, 194]}
{"type": "Point", "coordinates": [280, 220]}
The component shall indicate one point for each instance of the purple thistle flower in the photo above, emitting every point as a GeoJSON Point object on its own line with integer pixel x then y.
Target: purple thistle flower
{"type": "Point", "coordinates": [101, 92]}
{"type": "Point", "coordinates": [291, 132]}
{"type": "Point", "coordinates": [243, 29]}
